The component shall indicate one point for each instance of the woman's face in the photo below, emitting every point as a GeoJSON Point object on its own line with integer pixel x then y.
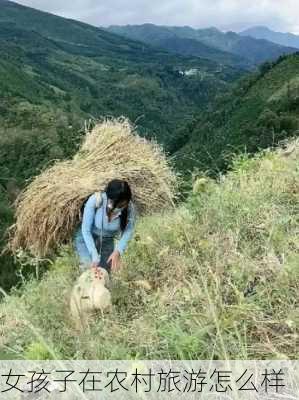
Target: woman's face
{"type": "Point", "coordinates": [121, 204]}
{"type": "Point", "coordinates": [118, 206]}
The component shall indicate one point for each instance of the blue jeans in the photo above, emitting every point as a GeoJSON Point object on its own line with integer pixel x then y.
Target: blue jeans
{"type": "Point", "coordinates": [84, 255]}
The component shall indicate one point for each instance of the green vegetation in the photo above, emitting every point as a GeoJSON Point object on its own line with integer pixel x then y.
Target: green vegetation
{"type": "Point", "coordinates": [223, 269]}
{"type": "Point", "coordinates": [261, 110]}
{"type": "Point", "coordinates": [49, 64]}
{"type": "Point", "coordinates": [57, 73]}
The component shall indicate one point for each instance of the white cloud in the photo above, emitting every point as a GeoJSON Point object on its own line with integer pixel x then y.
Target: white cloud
{"type": "Point", "coordinates": [235, 15]}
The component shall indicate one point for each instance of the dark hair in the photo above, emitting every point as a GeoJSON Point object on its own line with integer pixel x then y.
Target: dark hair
{"type": "Point", "coordinates": [118, 191]}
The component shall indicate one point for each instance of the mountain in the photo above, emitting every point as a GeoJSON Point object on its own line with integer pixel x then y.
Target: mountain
{"type": "Point", "coordinates": [261, 110]}
{"type": "Point", "coordinates": [56, 69]}
{"type": "Point", "coordinates": [175, 41]}
{"type": "Point", "coordinates": [249, 51]}
{"type": "Point", "coordinates": [282, 38]}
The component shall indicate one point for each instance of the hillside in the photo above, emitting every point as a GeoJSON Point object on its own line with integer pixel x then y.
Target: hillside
{"type": "Point", "coordinates": [57, 69]}
{"type": "Point", "coordinates": [223, 270]}
{"type": "Point", "coordinates": [282, 38]}
{"type": "Point", "coordinates": [261, 110]}
{"type": "Point", "coordinates": [232, 48]}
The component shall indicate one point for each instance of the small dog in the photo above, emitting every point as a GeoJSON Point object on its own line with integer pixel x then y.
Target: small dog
{"type": "Point", "coordinates": [89, 294]}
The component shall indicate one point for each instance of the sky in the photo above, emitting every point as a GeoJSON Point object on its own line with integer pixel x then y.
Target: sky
{"type": "Point", "coordinates": [235, 15]}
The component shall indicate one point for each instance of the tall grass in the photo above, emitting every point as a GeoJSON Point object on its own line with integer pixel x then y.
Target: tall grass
{"type": "Point", "coordinates": [224, 272]}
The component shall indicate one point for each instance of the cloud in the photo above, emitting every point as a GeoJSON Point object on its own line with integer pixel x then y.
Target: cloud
{"type": "Point", "coordinates": [224, 14]}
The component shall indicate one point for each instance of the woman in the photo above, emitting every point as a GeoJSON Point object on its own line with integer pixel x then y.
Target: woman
{"type": "Point", "coordinates": [116, 214]}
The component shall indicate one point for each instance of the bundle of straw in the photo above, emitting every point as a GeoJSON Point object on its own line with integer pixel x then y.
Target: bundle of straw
{"type": "Point", "coordinates": [49, 209]}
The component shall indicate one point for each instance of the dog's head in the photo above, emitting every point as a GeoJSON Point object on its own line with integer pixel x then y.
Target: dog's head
{"type": "Point", "coordinates": [103, 276]}
{"type": "Point", "coordinates": [88, 277]}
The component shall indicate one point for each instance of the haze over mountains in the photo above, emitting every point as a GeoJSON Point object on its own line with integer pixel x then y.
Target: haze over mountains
{"type": "Point", "coordinates": [263, 32]}
{"type": "Point", "coordinates": [229, 47]}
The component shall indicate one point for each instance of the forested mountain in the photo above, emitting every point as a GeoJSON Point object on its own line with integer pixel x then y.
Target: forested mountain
{"type": "Point", "coordinates": [175, 41]}
{"type": "Point", "coordinates": [233, 49]}
{"type": "Point", "coordinates": [57, 72]}
{"type": "Point", "coordinates": [260, 111]}
{"type": "Point", "coordinates": [263, 32]}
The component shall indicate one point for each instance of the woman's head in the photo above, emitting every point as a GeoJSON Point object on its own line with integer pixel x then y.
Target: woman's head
{"type": "Point", "coordinates": [118, 193]}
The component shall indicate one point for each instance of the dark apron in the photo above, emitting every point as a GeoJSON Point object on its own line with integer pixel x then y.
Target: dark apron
{"type": "Point", "coordinates": [106, 251]}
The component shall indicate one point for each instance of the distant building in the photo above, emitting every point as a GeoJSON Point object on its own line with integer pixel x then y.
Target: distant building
{"type": "Point", "coordinates": [190, 72]}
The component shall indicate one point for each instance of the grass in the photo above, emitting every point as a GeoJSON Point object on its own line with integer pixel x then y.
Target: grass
{"type": "Point", "coordinates": [224, 272]}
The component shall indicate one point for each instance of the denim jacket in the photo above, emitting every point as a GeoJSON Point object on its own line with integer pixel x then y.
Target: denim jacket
{"type": "Point", "coordinates": [92, 225]}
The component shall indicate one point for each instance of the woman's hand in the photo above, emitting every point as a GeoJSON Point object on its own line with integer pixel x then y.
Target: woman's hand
{"type": "Point", "coordinates": [114, 258]}
{"type": "Point", "coordinates": [94, 264]}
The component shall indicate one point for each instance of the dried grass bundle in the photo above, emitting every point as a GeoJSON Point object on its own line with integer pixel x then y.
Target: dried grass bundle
{"type": "Point", "coordinates": [49, 209]}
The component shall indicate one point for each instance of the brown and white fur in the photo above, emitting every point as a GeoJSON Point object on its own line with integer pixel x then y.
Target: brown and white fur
{"type": "Point", "coordinates": [89, 294]}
